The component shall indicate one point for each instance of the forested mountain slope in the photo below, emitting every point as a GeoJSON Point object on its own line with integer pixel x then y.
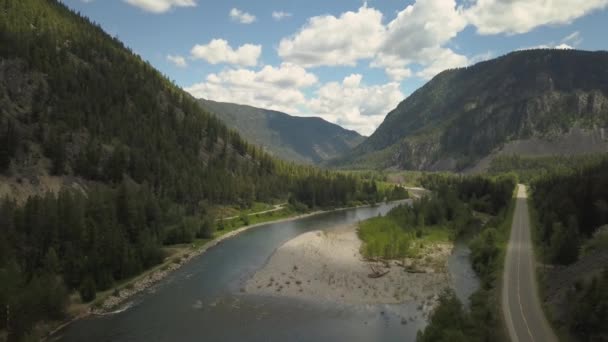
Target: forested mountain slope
{"type": "Point", "coordinates": [571, 223]}
{"type": "Point", "coordinates": [299, 139]}
{"type": "Point", "coordinates": [527, 102]}
{"type": "Point", "coordinates": [78, 107]}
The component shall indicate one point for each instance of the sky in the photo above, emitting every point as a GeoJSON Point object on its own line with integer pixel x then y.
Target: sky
{"type": "Point", "coordinates": [347, 61]}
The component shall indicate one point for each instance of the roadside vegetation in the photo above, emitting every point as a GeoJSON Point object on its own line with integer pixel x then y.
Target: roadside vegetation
{"type": "Point", "coordinates": [455, 207]}
{"type": "Point", "coordinates": [481, 321]}
{"type": "Point", "coordinates": [570, 216]}
{"type": "Point", "coordinates": [529, 169]}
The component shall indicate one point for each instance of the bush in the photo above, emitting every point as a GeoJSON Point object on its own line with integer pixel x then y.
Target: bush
{"type": "Point", "coordinates": [245, 219]}
{"type": "Point", "coordinates": [207, 228]}
{"type": "Point", "coordinates": [448, 322]}
{"type": "Point", "coordinates": [484, 252]}
{"type": "Point", "coordinates": [588, 318]}
{"type": "Point", "coordinates": [88, 289]}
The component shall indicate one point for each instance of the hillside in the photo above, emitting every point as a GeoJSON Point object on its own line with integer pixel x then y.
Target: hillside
{"type": "Point", "coordinates": [298, 139]}
{"type": "Point", "coordinates": [570, 219]}
{"type": "Point", "coordinates": [534, 102]}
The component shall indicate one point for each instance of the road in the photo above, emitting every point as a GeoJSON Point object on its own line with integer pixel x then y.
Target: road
{"type": "Point", "coordinates": [524, 317]}
{"type": "Point", "coordinates": [277, 207]}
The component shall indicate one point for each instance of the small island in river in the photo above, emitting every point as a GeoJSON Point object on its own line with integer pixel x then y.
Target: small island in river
{"type": "Point", "coordinates": [329, 266]}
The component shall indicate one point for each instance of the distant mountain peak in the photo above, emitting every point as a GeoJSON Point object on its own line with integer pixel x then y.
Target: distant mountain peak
{"type": "Point", "coordinates": [294, 138]}
{"type": "Point", "coordinates": [463, 115]}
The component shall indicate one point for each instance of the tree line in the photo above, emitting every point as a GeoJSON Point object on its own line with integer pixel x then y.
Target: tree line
{"type": "Point", "coordinates": [571, 207]}
{"type": "Point", "coordinates": [81, 104]}
{"type": "Point", "coordinates": [450, 205]}
{"type": "Point", "coordinates": [481, 321]}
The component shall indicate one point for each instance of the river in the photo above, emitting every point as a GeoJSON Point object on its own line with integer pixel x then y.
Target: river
{"type": "Point", "coordinates": [203, 300]}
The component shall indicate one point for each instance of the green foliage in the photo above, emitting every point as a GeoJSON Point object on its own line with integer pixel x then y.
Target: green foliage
{"type": "Point", "coordinates": [449, 207]}
{"type": "Point", "coordinates": [564, 244]}
{"type": "Point", "coordinates": [88, 289]}
{"type": "Point", "coordinates": [29, 300]}
{"type": "Point", "coordinates": [484, 253]}
{"type": "Point", "coordinates": [482, 322]}
{"type": "Point", "coordinates": [448, 323]}
{"type": "Point", "coordinates": [484, 194]}
{"type": "Point", "coordinates": [207, 228]}
{"type": "Point", "coordinates": [571, 206]}
{"type": "Point", "coordinates": [384, 238]}
{"type": "Point", "coordinates": [588, 318]}
{"type": "Point", "coordinates": [245, 219]}
{"type": "Point", "coordinates": [150, 156]}
{"type": "Point", "coordinates": [529, 169]}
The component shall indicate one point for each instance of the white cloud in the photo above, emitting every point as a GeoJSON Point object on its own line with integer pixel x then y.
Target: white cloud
{"type": "Point", "coordinates": [521, 16]}
{"type": "Point", "coordinates": [160, 6]}
{"type": "Point", "coordinates": [327, 40]}
{"type": "Point", "coordinates": [425, 24]}
{"type": "Point", "coordinates": [574, 38]}
{"type": "Point", "coordinates": [278, 88]}
{"type": "Point", "coordinates": [219, 51]}
{"type": "Point", "coordinates": [569, 42]}
{"type": "Point", "coordinates": [349, 103]}
{"type": "Point", "coordinates": [440, 59]}
{"type": "Point", "coordinates": [355, 105]}
{"type": "Point", "coordinates": [417, 35]}
{"type": "Point", "coordinates": [280, 15]}
{"type": "Point", "coordinates": [242, 17]}
{"type": "Point", "coordinates": [564, 46]}
{"type": "Point", "coordinates": [177, 60]}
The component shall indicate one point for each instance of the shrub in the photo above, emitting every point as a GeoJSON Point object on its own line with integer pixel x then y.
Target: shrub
{"type": "Point", "coordinates": [88, 289]}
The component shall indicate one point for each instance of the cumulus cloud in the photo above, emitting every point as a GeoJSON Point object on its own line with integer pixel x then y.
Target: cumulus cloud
{"type": "Point", "coordinates": [160, 6]}
{"type": "Point", "coordinates": [242, 17]}
{"type": "Point", "coordinates": [177, 60]}
{"type": "Point", "coordinates": [219, 51]}
{"type": "Point", "coordinates": [280, 15]}
{"type": "Point", "coordinates": [278, 88]}
{"type": "Point", "coordinates": [521, 16]}
{"type": "Point", "coordinates": [330, 40]}
{"type": "Point", "coordinates": [354, 105]}
{"type": "Point", "coordinates": [349, 103]}
{"type": "Point", "coordinates": [417, 35]}
{"type": "Point", "coordinates": [440, 59]}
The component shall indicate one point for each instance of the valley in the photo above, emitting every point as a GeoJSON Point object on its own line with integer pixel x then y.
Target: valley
{"type": "Point", "coordinates": [182, 170]}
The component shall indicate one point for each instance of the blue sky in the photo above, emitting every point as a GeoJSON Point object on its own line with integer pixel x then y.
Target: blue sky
{"type": "Point", "coordinates": [347, 61]}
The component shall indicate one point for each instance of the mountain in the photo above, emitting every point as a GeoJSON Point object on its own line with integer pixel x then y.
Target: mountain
{"type": "Point", "coordinates": [77, 103]}
{"type": "Point", "coordinates": [103, 161]}
{"type": "Point", "coordinates": [534, 102]}
{"type": "Point", "coordinates": [294, 138]}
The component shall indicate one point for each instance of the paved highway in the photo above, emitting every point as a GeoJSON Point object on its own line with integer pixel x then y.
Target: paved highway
{"type": "Point", "coordinates": [524, 317]}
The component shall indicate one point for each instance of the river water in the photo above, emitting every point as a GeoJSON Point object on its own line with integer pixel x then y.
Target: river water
{"type": "Point", "coordinates": [202, 301]}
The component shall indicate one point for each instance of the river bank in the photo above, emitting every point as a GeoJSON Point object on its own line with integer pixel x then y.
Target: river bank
{"type": "Point", "coordinates": [328, 266]}
{"type": "Point", "coordinates": [112, 300]}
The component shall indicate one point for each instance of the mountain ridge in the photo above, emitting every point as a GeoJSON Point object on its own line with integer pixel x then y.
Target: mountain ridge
{"type": "Point", "coordinates": [294, 138]}
{"type": "Point", "coordinates": [463, 115]}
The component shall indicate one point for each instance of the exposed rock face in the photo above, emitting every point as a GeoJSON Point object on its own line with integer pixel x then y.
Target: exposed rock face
{"type": "Point", "coordinates": [552, 101]}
